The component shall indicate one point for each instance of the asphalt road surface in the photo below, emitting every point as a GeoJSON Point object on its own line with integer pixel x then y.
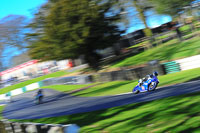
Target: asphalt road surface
{"type": "Point", "coordinates": [57, 103]}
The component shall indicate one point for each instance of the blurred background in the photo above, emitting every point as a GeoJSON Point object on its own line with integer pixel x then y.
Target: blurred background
{"type": "Point", "coordinates": [86, 49]}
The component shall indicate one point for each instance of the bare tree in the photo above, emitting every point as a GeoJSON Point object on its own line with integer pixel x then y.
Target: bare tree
{"type": "Point", "coordinates": [138, 10]}
{"type": "Point", "coordinates": [12, 34]}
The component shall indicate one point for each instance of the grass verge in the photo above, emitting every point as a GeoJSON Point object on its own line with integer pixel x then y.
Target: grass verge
{"type": "Point", "coordinates": [68, 88]}
{"type": "Point", "coordinates": [1, 110]}
{"type": "Point", "coordinates": [172, 114]}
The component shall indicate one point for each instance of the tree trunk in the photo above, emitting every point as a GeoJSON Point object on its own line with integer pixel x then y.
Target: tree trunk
{"type": "Point", "coordinates": [147, 30]}
{"type": "Point", "coordinates": [93, 60]}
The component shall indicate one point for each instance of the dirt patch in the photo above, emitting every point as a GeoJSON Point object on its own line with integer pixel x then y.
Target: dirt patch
{"type": "Point", "coordinates": [72, 74]}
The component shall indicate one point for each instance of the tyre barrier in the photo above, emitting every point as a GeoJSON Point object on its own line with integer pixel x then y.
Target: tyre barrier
{"type": "Point", "coordinates": [15, 127]}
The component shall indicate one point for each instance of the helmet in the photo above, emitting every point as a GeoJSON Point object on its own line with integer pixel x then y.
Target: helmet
{"type": "Point", "coordinates": [40, 91]}
{"type": "Point", "coordinates": [155, 73]}
{"type": "Point", "coordinates": [151, 75]}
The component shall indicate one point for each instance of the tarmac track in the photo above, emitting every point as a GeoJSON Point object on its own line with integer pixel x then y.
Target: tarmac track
{"type": "Point", "coordinates": [58, 103]}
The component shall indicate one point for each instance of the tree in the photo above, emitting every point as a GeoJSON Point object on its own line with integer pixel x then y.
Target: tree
{"type": "Point", "coordinates": [20, 59]}
{"type": "Point", "coordinates": [1, 57]}
{"type": "Point", "coordinates": [170, 7]}
{"type": "Point", "coordinates": [37, 25]}
{"type": "Point", "coordinates": [75, 28]}
{"type": "Point", "coordinates": [141, 7]}
{"type": "Point", "coordinates": [12, 31]}
{"type": "Point", "coordinates": [36, 36]}
{"type": "Point", "coordinates": [11, 35]}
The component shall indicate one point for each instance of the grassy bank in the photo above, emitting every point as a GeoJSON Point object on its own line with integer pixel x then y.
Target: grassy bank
{"type": "Point", "coordinates": [173, 114]}
{"type": "Point", "coordinates": [165, 52]}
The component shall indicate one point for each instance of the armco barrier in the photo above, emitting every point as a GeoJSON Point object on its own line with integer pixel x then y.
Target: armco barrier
{"type": "Point", "coordinates": [127, 74]}
{"type": "Point", "coordinates": [15, 127]}
{"type": "Point", "coordinates": [171, 67]}
{"type": "Point", "coordinates": [182, 64]}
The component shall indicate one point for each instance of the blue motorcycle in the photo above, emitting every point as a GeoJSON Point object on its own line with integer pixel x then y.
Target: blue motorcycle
{"type": "Point", "coordinates": [148, 85]}
{"type": "Point", "coordinates": [38, 97]}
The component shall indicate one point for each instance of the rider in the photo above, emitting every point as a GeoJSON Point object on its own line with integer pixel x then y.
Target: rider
{"type": "Point", "coordinates": [141, 81]}
{"type": "Point", "coordinates": [39, 93]}
{"type": "Point", "coordinates": [155, 73]}
{"type": "Point", "coordinates": [38, 96]}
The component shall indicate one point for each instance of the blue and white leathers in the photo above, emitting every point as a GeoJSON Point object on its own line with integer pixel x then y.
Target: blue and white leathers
{"type": "Point", "coordinates": [149, 85]}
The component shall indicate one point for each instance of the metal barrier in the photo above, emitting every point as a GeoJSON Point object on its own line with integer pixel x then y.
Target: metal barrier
{"type": "Point", "coordinates": [127, 74]}
{"type": "Point", "coordinates": [15, 127]}
{"type": "Point", "coordinates": [171, 67]}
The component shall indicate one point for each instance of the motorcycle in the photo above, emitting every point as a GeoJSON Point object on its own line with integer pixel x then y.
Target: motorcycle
{"type": "Point", "coordinates": [38, 98]}
{"type": "Point", "coordinates": [149, 85]}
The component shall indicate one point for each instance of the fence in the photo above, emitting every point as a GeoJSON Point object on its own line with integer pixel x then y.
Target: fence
{"type": "Point", "coordinates": [127, 74]}
{"type": "Point", "coordinates": [15, 127]}
{"type": "Point", "coordinates": [136, 73]}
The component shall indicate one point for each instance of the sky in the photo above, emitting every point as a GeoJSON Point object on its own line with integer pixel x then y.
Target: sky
{"type": "Point", "coordinates": [28, 7]}
{"type": "Point", "coordinates": [153, 20]}
{"type": "Point", "coordinates": [19, 7]}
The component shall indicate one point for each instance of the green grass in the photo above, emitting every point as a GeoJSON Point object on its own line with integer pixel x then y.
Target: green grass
{"type": "Point", "coordinates": [185, 28]}
{"type": "Point", "coordinates": [1, 110]}
{"type": "Point", "coordinates": [142, 44]}
{"type": "Point", "coordinates": [109, 88]}
{"type": "Point", "coordinates": [117, 87]}
{"type": "Point", "coordinates": [172, 114]}
{"type": "Point", "coordinates": [165, 52]}
{"type": "Point", "coordinates": [22, 84]}
{"type": "Point", "coordinates": [165, 35]}
{"type": "Point", "coordinates": [67, 88]}
{"type": "Point", "coordinates": [162, 37]}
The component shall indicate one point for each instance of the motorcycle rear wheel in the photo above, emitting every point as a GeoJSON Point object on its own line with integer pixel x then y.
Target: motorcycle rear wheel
{"type": "Point", "coordinates": [152, 86]}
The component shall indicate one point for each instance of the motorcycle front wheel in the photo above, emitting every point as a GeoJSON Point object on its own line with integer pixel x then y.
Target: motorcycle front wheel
{"type": "Point", "coordinates": [40, 100]}
{"type": "Point", "coordinates": [136, 91]}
